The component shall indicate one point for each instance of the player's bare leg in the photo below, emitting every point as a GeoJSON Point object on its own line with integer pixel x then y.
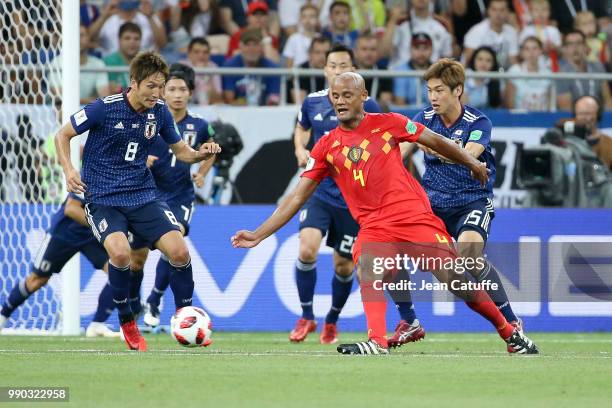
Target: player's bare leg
{"type": "Point", "coordinates": [342, 281]}
{"type": "Point", "coordinates": [173, 246]}
{"type": "Point", "coordinates": [306, 278]}
{"type": "Point", "coordinates": [118, 249]}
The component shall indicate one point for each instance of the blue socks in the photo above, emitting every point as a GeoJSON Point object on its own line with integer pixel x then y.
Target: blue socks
{"type": "Point", "coordinates": [181, 283]}
{"type": "Point", "coordinates": [105, 304]}
{"type": "Point", "coordinates": [406, 311]}
{"type": "Point", "coordinates": [18, 295]}
{"type": "Point", "coordinates": [119, 280]}
{"type": "Point", "coordinates": [135, 284]}
{"type": "Point", "coordinates": [306, 278]}
{"type": "Point", "coordinates": [499, 296]}
{"type": "Point", "coordinates": [162, 280]}
{"type": "Point", "coordinates": [341, 290]}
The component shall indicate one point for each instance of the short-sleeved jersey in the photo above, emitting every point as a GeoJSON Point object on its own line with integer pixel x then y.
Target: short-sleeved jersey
{"type": "Point", "coordinates": [367, 166]}
{"type": "Point", "coordinates": [448, 184]}
{"type": "Point", "coordinates": [65, 228]}
{"type": "Point", "coordinates": [318, 115]}
{"type": "Point", "coordinates": [115, 156]}
{"type": "Point", "coordinates": [172, 176]}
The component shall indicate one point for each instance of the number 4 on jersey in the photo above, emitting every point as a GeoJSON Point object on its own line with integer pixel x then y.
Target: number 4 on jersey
{"type": "Point", "coordinates": [358, 176]}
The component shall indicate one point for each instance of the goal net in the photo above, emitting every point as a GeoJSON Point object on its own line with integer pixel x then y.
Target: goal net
{"type": "Point", "coordinates": [31, 181]}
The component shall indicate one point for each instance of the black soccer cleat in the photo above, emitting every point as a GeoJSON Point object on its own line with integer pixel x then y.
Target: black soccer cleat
{"type": "Point", "coordinates": [363, 347]}
{"type": "Point", "coordinates": [521, 344]}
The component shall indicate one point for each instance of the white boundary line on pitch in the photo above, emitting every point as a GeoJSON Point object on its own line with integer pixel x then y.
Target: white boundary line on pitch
{"type": "Point", "coordinates": [565, 356]}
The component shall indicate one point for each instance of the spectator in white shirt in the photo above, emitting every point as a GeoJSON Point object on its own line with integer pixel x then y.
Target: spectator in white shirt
{"type": "Point", "coordinates": [422, 21]}
{"type": "Point", "coordinates": [296, 48]}
{"type": "Point", "coordinates": [117, 12]}
{"type": "Point", "coordinates": [496, 33]}
{"type": "Point", "coordinates": [289, 14]}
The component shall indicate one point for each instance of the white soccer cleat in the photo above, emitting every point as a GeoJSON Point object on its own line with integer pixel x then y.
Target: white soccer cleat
{"type": "Point", "coordinates": [3, 320]}
{"type": "Point", "coordinates": [97, 329]}
{"type": "Point", "coordinates": [151, 316]}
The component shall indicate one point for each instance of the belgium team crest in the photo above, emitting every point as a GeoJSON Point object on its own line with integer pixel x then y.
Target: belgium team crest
{"type": "Point", "coordinates": [150, 129]}
{"type": "Point", "coordinates": [355, 154]}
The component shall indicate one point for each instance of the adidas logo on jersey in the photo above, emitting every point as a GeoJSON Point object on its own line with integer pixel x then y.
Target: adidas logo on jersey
{"type": "Point", "coordinates": [318, 117]}
{"type": "Point", "coordinates": [119, 125]}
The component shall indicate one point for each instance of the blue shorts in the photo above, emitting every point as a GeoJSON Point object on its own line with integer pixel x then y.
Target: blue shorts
{"type": "Point", "coordinates": [149, 221]}
{"type": "Point", "coordinates": [54, 253]}
{"type": "Point", "coordinates": [337, 223]}
{"type": "Point", "coordinates": [475, 216]}
{"type": "Point", "coordinates": [183, 212]}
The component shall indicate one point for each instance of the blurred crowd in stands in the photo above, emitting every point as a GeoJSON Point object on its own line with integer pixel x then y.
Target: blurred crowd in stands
{"type": "Point", "coordinates": [517, 36]}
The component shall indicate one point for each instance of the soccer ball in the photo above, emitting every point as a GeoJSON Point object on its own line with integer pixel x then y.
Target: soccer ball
{"type": "Point", "coordinates": [191, 327]}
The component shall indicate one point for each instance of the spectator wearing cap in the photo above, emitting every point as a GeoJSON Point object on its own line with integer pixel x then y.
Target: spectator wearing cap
{"type": "Point", "coordinates": [367, 56]}
{"type": "Point", "coordinates": [118, 12]}
{"type": "Point", "coordinates": [494, 32]}
{"type": "Point", "coordinates": [208, 88]}
{"type": "Point", "coordinates": [339, 30]}
{"type": "Point", "coordinates": [251, 90]}
{"type": "Point", "coordinates": [234, 15]}
{"type": "Point", "coordinates": [257, 18]}
{"type": "Point", "coordinates": [405, 89]}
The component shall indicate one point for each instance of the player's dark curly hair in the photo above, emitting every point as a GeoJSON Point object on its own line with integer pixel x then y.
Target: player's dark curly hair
{"type": "Point", "coordinates": [146, 64]}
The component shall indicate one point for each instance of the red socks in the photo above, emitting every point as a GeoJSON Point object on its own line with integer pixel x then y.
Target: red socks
{"type": "Point", "coordinates": [375, 308]}
{"type": "Point", "coordinates": [484, 306]}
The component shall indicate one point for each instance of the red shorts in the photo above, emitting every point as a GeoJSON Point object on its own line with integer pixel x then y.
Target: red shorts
{"type": "Point", "coordinates": [428, 237]}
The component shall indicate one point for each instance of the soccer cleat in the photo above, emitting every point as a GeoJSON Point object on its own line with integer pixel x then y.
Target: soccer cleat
{"type": "Point", "coordinates": [329, 335]}
{"type": "Point", "coordinates": [133, 338]}
{"type": "Point", "coordinates": [521, 344]}
{"type": "Point", "coordinates": [301, 330]}
{"type": "Point", "coordinates": [151, 317]}
{"type": "Point", "coordinates": [406, 333]}
{"type": "Point", "coordinates": [518, 325]}
{"type": "Point", "coordinates": [98, 329]}
{"type": "Point", "coordinates": [3, 320]}
{"type": "Point", "coordinates": [363, 347]}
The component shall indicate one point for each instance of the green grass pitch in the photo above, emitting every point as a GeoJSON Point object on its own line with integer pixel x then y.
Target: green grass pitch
{"type": "Point", "coordinates": [264, 369]}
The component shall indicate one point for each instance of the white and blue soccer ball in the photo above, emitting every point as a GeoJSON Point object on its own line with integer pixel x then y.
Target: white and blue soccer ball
{"type": "Point", "coordinates": [191, 327]}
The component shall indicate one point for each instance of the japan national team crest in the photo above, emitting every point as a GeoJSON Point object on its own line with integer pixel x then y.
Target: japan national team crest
{"type": "Point", "coordinates": [150, 129]}
{"type": "Point", "coordinates": [355, 154]}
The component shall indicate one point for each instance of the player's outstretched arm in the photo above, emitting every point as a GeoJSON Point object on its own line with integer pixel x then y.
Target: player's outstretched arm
{"type": "Point", "coordinates": [449, 149]}
{"type": "Point", "coordinates": [283, 213]}
{"type": "Point", "coordinates": [185, 153]}
{"type": "Point", "coordinates": [62, 146]}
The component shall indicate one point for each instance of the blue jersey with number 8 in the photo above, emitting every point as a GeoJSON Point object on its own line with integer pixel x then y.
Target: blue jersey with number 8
{"type": "Point", "coordinates": [115, 156]}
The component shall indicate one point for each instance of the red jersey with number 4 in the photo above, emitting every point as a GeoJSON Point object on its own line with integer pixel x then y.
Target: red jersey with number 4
{"type": "Point", "coordinates": [367, 166]}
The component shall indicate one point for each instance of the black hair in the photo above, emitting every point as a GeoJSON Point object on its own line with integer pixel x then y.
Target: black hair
{"type": "Point", "coordinates": [337, 47]}
{"type": "Point", "coordinates": [184, 72]}
{"type": "Point", "coordinates": [130, 27]}
{"type": "Point", "coordinates": [198, 40]}
{"type": "Point", "coordinates": [494, 87]}
{"type": "Point", "coordinates": [318, 40]}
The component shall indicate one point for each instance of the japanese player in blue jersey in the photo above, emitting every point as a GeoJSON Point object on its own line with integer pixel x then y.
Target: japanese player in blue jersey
{"type": "Point", "coordinates": [326, 212]}
{"type": "Point", "coordinates": [463, 204]}
{"type": "Point", "coordinates": [119, 188]}
{"type": "Point", "coordinates": [68, 235]}
{"type": "Point", "coordinates": [174, 182]}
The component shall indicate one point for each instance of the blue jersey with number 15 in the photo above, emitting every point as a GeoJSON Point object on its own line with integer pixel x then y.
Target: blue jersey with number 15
{"type": "Point", "coordinates": [172, 176]}
{"type": "Point", "coordinates": [115, 156]}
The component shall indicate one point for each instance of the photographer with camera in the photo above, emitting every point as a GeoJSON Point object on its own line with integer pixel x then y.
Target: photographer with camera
{"type": "Point", "coordinates": [571, 166]}
{"type": "Point", "coordinates": [587, 113]}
